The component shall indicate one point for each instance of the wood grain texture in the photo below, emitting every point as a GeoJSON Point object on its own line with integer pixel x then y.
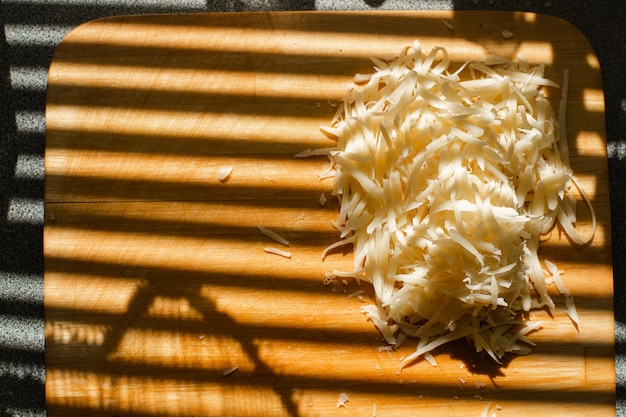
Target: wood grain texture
{"type": "Point", "coordinates": [156, 280]}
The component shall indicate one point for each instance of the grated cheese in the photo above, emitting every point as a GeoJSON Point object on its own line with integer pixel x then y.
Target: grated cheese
{"type": "Point", "coordinates": [343, 399]}
{"type": "Point", "coordinates": [446, 180]}
{"type": "Point", "coordinates": [485, 412]}
{"type": "Point", "coordinates": [323, 199]}
{"type": "Point", "coordinates": [430, 359]}
{"type": "Point", "coordinates": [356, 293]}
{"type": "Point", "coordinates": [273, 235]}
{"type": "Point", "coordinates": [224, 173]}
{"type": "Point", "coordinates": [314, 152]}
{"type": "Point", "coordinates": [230, 370]}
{"type": "Point", "coordinates": [447, 24]}
{"type": "Point", "coordinates": [276, 251]}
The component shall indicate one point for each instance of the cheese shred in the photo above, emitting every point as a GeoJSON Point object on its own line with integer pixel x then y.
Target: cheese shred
{"type": "Point", "coordinates": [446, 181]}
{"type": "Point", "coordinates": [272, 235]}
{"type": "Point", "coordinates": [276, 251]}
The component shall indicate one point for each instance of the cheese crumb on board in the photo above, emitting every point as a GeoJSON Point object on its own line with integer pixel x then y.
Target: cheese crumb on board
{"type": "Point", "coordinates": [430, 359]}
{"type": "Point", "coordinates": [343, 399]}
{"type": "Point", "coordinates": [446, 180]}
{"type": "Point", "coordinates": [276, 251]}
{"type": "Point", "coordinates": [314, 152]}
{"type": "Point", "coordinates": [273, 235]}
{"type": "Point", "coordinates": [224, 173]}
{"type": "Point", "coordinates": [355, 293]}
{"type": "Point", "coordinates": [229, 371]}
{"type": "Point", "coordinates": [485, 412]}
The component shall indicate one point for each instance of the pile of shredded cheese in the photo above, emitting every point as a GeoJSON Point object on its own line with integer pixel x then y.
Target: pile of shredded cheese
{"type": "Point", "coordinates": [446, 181]}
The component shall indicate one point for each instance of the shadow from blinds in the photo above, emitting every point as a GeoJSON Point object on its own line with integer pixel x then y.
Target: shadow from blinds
{"type": "Point", "coordinates": [102, 363]}
{"type": "Point", "coordinates": [198, 288]}
{"type": "Point", "coordinates": [299, 282]}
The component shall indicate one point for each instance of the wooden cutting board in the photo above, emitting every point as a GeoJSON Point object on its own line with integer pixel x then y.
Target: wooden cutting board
{"type": "Point", "coordinates": [156, 280]}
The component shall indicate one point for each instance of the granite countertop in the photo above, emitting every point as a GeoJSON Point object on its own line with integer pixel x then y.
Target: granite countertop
{"type": "Point", "coordinates": [32, 29]}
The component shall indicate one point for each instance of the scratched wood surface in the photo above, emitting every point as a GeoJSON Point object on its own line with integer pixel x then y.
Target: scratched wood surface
{"type": "Point", "coordinates": [156, 281]}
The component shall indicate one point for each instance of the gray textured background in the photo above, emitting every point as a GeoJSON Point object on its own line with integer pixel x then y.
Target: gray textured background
{"type": "Point", "coordinates": [32, 29]}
